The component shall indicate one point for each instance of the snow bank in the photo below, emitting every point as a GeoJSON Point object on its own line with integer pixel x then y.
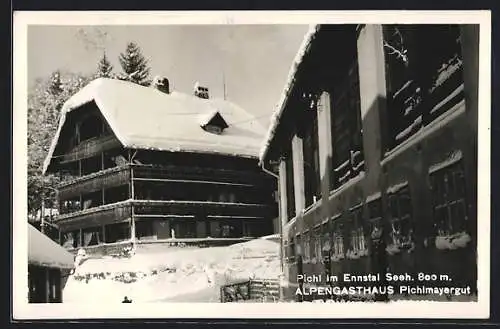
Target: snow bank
{"type": "Point", "coordinates": [172, 274]}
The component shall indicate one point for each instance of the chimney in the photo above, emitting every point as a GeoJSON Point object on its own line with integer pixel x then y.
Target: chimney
{"type": "Point", "coordinates": [199, 91]}
{"type": "Point", "coordinates": [162, 84]}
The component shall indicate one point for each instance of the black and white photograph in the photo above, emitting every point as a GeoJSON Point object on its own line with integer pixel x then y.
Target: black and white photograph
{"type": "Point", "coordinates": [319, 164]}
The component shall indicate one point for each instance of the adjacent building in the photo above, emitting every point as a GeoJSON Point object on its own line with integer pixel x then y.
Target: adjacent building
{"type": "Point", "coordinates": [375, 144]}
{"type": "Point", "coordinates": [147, 164]}
{"type": "Point", "coordinates": [49, 266]}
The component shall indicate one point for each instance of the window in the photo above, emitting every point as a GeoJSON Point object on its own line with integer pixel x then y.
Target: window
{"type": "Point", "coordinates": [449, 201]}
{"type": "Point", "coordinates": [423, 76]}
{"type": "Point", "coordinates": [290, 189]}
{"type": "Point", "coordinates": [312, 184]}
{"type": "Point", "coordinates": [338, 241]}
{"type": "Point", "coordinates": [117, 232]}
{"type": "Point", "coordinates": [347, 142]}
{"type": "Point", "coordinates": [292, 246]}
{"type": "Point", "coordinates": [400, 208]}
{"type": "Point", "coordinates": [185, 228]}
{"type": "Point", "coordinates": [68, 240]}
{"type": "Point", "coordinates": [326, 237]}
{"type": "Point", "coordinates": [144, 230]}
{"type": "Point", "coordinates": [316, 250]}
{"type": "Point", "coordinates": [215, 229]}
{"type": "Point", "coordinates": [357, 233]}
{"type": "Point", "coordinates": [375, 218]}
{"type": "Point", "coordinates": [92, 236]}
{"type": "Point", "coordinates": [306, 242]}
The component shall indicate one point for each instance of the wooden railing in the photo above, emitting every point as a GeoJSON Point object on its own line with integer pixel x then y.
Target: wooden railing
{"type": "Point", "coordinates": [94, 182]}
{"type": "Point", "coordinates": [90, 148]}
{"type": "Point", "coordinates": [120, 211]}
{"type": "Point", "coordinates": [199, 173]}
{"type": "Point", "coordinates": [98, 216]}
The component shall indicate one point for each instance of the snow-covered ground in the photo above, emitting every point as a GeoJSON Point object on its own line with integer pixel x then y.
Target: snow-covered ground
{"type": "Point", "coordinates": [167, 274]}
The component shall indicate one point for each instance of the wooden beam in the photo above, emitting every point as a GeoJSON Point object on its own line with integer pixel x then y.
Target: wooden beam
{"type": "Point", "coordinates": [47, 284]}
{"type": "Point", "coordinates": [191, 181]}
{"type": "Point", "coordinates": [77, 133]}
{"type": "Point", "coordinates": [283, 206]}
{"type": "Point", "coordinates": [132, 208]}
{"type": "Point", "coordinates": [298, 174]}
{"type": "Point", "coordinates": [325, 144]}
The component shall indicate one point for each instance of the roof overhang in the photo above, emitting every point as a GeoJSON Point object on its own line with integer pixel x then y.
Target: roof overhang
{"type": "Point", "coordinates": [281, 105]}
{"type": "Point", "coordinates": [44, 252]}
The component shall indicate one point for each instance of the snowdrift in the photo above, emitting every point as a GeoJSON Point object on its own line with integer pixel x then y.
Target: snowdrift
{"type": "Point", "coordinates": [172, 274]}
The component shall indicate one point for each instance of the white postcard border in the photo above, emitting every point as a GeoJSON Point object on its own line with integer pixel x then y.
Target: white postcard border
{"type": "Point", "coordinates": [400, 309]}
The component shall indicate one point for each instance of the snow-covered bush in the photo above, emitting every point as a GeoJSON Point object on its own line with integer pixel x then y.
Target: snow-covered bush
{"type": "Point", "coordinates": [337, 257]}
{"type": "Point", "coordinates": [396, 248]}
{"type": "Point", "coordinates": [453, 241]}
{"type": "Point", "coordinates": [392, 249]}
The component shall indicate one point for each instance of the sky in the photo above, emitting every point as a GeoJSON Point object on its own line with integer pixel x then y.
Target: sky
{"type": "Point", "coordinates": [253, 60]}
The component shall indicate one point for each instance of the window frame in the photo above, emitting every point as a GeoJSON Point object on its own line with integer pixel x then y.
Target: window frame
{"type": "Point", "coordinates": [418, 92]}
{"type": "Point", "coordinates": [449, 200]}
{"type": "Point", "coordinates": [394, 198]}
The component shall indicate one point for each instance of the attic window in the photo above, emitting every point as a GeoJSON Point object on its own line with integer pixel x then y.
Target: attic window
{"type": "Point", "coordinates": [213, 129]}
{"type": "Point", "coordinates": [214, 123]}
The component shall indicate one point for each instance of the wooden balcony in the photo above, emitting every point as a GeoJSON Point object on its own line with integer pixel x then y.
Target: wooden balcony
{"type": "Point", "coordinates": [98, 216]}
{"type": "Point", "coordinates": [90, 148]}
{"type": "Point", "coordinates": [122, 211]}
{"type": "Point", "coordinates": [118, 176]}
{"type": "Point", "coordinates": [200, 174]}
{"type": "Point", "coordinates": [94, 182]}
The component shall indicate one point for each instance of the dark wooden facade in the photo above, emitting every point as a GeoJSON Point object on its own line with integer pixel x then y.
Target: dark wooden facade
{"type": "Point", "coordinates": [113, 194]}
{"type": "Point", "coordinates": [376, 149]}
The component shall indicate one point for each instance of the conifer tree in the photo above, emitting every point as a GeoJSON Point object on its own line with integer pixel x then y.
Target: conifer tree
{"type": "Point", "coordinates": [134, 65]}
{"type": "Point", "coordinates": [104, 68]}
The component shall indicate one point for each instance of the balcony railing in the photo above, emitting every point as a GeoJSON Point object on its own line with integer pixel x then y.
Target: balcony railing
{"type": "Point", "coordinates": [117, 176]}
{"type": "Point", "coordinates": [199, 174]}
{"type": "Point", "coordinates": [121, 211]}
{"type": "Point", "coordinates": [94, 182]}
{"type": "Point", "coordinates": [90, 148]}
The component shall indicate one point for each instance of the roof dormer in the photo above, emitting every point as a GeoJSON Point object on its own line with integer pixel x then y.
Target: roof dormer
{"type": "Point", "coordinates": [213, 122]}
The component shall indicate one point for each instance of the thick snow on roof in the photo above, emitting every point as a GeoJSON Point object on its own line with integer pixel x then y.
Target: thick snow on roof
{"type": "Point", "coordinates": [146, 118]}
{"type": "Point", "coordinates": [304, 47]}
{"type": "Point", "coordinates": [42, 251]}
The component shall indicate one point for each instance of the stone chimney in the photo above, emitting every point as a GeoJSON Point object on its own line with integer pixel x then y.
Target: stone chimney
{"type": "Point", "coordinates": [201, 92]}
{"type": "Point", "coordinates": [162, 84]}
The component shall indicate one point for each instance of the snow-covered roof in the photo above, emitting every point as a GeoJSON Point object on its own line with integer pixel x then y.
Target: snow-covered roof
{"type": "Point", "coordinates": [146, 118]}
{"type": "Point", "coordinates": [42, 251]}
{"type": "Point", "coordinates": [304, 47]}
